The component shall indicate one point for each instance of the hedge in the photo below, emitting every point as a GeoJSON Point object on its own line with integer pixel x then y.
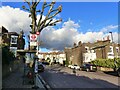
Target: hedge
{"type": "Point", "coordinates": [110, 63]}
{"type": "Point", "coordinates": [7, 56]}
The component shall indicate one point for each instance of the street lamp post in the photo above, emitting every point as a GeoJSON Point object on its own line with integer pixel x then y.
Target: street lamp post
{"type": "Point", "coordinates": [111, 36]}
{"type": "Point", "coordinates": [113, 51]}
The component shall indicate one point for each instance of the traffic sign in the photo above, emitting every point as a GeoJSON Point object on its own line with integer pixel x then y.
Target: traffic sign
{"type": "Point", "coordinates": [33, 37]}
{"type": "Point", "coordinates": [33, 43]}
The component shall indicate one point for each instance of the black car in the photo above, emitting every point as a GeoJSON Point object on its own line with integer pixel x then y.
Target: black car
{"type": "Point", "coordinates": [45, 63]}
{"type": "Point", "coordinates": [118, 72]}
{"type": "Point", "coordinates": [88, 67]}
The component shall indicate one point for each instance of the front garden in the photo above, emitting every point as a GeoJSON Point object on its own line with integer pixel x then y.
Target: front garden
{"type": "Point", "coordinates": [107, 63]}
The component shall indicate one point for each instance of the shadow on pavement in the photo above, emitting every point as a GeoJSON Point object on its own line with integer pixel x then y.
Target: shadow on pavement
{"type": "Point", "coordinates": [113, 73]}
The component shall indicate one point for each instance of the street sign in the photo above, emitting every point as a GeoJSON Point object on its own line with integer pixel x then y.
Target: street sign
{"type": "Point", "coordinates": [32, 43]}
{"type": "Point", "coordinates": [33, 36]}
{"type": "Point", "coordinates": [33, 39]}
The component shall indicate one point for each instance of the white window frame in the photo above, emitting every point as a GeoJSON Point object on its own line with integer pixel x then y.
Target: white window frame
{"type": "Point", "coordinates": [13, 39]}
{"type": "Point", "coordinates": [92, 51]}
{"type": "Point", "coordinates": [111, 49]}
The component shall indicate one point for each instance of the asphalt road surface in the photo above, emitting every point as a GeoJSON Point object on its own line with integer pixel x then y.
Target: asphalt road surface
{"type": "Point", "coordinates": [63, 77]}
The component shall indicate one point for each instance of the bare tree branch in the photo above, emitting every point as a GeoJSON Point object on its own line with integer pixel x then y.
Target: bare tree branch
{"type": "Point", "coordinates": [59, 10]}
{"type": "Point", "coordinates": [27, 2]}
{"type": "Point", "coordinates": [52, 24]}
{"type": "Point", "coordinates": [48, 19]}
{"type": "Point", "coordinates": [48, 22]}
{"type": "Point", "coordinates": [37, 2]}
{"type": "Point", "coordinates": [43, 25]}
{"type": "Point", "coordinates": [41, 14]}
{"type": "Point", "coordinates": [25, 8]}
{"type": "Point", "coordinates": [50, 10]}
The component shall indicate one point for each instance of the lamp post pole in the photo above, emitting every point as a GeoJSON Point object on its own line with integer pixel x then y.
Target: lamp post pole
{"type": "Point", "coordinates": [111, 36]}
{"type": "Point", "coordinates": [113, 51]}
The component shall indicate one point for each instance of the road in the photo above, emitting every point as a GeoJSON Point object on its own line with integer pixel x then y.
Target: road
{"type": "Point", "coordinates": [62, 77]}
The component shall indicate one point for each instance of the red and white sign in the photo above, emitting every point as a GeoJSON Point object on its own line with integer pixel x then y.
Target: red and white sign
{"type": "Point", "coordinates": [38, 33]}
{"type": "Point", "coordinates": [33, 37]}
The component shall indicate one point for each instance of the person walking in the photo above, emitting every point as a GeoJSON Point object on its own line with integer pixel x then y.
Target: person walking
{"type": "Point", "coordinates": [74, 71]}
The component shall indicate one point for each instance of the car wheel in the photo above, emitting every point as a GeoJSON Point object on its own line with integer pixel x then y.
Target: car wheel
{"type": "Point", "coordinates": [87, 70]}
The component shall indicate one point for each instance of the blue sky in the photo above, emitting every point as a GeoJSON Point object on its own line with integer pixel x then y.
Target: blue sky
{"type": "Point", "coordinates": [90, 16]}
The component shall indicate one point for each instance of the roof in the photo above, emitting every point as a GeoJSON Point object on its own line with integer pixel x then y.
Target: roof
{"type": "Point", "coordinates": [13, 33]}
{"type": "Point", "coordinates": [96, 47]}
{"type": "Point", "coordinates": [3, 30]}
{"type": "Point", "coordinates": [26, 51]}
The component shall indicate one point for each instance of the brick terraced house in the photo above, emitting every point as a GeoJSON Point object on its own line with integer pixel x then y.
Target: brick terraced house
{"type": "Point", "coordinates": [86, 52]}
{"type": "Point", "coordinates": [53, 56]}
{"type": "Point", "coordinates": [10, 39]}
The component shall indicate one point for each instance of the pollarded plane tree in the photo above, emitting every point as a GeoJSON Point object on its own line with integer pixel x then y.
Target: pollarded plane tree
{"type": "Point", "coordinates": [42, 22]}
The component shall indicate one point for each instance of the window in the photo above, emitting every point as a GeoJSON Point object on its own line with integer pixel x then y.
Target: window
{"type": "Point", "coordinates": [86, 49]}
{"type": "Point", "coordinates": [14, 39]}
{"type": "Point", "coordinates": [117, 49]}
{"type": "Point", "coordinates": [92, 51]}
{"type": "Point", "coordinates": [111, 48]}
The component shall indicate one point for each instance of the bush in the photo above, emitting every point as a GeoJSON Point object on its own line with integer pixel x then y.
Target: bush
{"type": "Point", "coordinates": [110, 63]}
{"type": "Point", "coordinates": [7, 56]}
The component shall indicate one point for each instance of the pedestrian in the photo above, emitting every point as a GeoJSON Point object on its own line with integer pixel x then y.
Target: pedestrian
{"type": "Point", "coordinates": [74, 71]}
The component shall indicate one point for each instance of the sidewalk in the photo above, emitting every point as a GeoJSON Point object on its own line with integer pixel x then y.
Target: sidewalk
{"type": "Point", "coordinates": [15, 80]}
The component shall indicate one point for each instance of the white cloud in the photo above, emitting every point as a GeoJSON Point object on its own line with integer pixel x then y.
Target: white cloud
{"type": "Point", "coordinates": [60, 38]}
{"type": "Point", "coordinates": [109, 28]}
{"type": "Point", "coordinates": [89, 36]}
{"type": "Point", "coordinates": [14, 19]}
{"type": "Point", "coordinates": [68, 34]}
{"type": "Point", "coordinates": [70, 24]}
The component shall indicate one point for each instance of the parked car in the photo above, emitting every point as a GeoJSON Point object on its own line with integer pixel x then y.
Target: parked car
{"type": "Point", "coordinates": [74, 67]}
{"type": "Point", "coordinates": [88, 67]}
{"type": "Point", "coordinates": [118, 71]}
{"type": "Point", "coordinates": [41, 67]}
{"type": "Point", "coordinates": [45, 63]}
{"type": "Point", "coordinates": [69, 66]}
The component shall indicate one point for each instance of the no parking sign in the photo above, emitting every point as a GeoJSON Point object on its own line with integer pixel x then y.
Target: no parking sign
{"type": "Point", "coordinates": [33, 39]}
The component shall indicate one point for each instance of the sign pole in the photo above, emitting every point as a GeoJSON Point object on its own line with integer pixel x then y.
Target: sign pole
{"type": "Point", "coordinates": [36, 64]}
